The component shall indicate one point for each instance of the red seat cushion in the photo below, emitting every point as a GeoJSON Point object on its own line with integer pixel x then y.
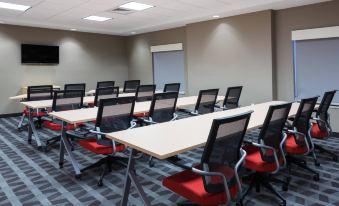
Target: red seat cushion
{"type": "Point", "coordinates": [253, 160]}
{"type": "Point", "coordinates": [57, 127]}
{"type": "Point", "coordinates": [317, 133]}
{"type": "Point", "coordinates": [292, 147]}
{"type": "Point", "coordinates": [93, 146]}
{"type": "Point", "coordinates": [34, 114]}
{"type": "Point", "coordinates": [190, 186]}
{"type": "Point", "coordinates": [141, 114]}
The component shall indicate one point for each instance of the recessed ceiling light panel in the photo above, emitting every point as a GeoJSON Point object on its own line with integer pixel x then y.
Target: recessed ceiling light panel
{"type": "Point", "coordinates": [216, 16]}
{"type": "Point", "coordinates": [97, 18]}
{"type": "Point", "coordinates": [17, 7]}
{"type": "Point", "coordinates": [135, 6]}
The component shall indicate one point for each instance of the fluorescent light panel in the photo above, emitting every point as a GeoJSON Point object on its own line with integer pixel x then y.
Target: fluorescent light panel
{"type": "Point", "coordinates": [135, 6]}
{"type": "Point", "coordinates": [97, 18]}
{"type": "Point", "coordinates": [17, 7]}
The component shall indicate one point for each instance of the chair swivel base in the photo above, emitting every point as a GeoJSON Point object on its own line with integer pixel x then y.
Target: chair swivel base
{"type": "Point", "coordinates": [260, 179]}
{"type": "Point", "coordinates": [323, 150]}
{"type": "Point", "coordinates": [302, 164]}
{"type": "Point", "coordinates": [107, 166]}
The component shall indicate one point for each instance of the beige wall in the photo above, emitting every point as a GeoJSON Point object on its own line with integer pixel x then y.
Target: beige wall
{"type": "Point", "coordinates": [84, 58]}
{"type": "Point", "coordinates": [139, 54]}
{"type": "Point", "coordinates": [287, 20]}
{"type": "Point", "coordinates": [215, 53]}
{"type": "Point", "coordinates": [230, 52]}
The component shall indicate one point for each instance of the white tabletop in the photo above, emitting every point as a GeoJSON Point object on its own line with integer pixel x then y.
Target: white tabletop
{"type": "Point", "coordinates": [90, 114]}
{"type": "Point", "coordinates": [171, 138]}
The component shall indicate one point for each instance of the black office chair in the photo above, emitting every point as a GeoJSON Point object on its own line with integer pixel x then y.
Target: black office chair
{"type": "Point", "coordinates": [321, 128]}
{"type": "Point", "coordinates": [205, 102]}
{"type": "Point", "coordinates": [163, 107]}
{"type": "Point", "coordinates": [105, 93]}
{"type": "Point", "coordinates": [298, 142]}
{"type": "Point", "coordinates": [80, 86]}
{"type": "Point", "coordinates": [268, 155]}
{"type": "Point", "coordinates": [130, 86]}
{"type": "Point", "coordinates": [105, 84]}
{"type": "Point", "coordinates": [145, 92]}
{"type": "Point", "coordinates": [232, 97]}
{"type": "Point", "coordinates": [36, 93]}
{"type": "Point", "coordinates": [172, 87]}
{"type": "Point", "coordinates": [113, 115]}
{"type": "Point", "coordinates": [216, 180]}
{"type": "Point", "coordinates": [63, 101]}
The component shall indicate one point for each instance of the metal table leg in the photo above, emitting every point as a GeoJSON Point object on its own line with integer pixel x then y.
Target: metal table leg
{"type": "Point", "coordinates": [64, 144]}
{"type": "Point", "coordinates": [132, 178]}
{"type": "Point", "coordinates": [32, 131]}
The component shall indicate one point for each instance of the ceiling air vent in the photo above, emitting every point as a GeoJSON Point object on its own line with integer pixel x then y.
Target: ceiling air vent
{"type": "Point", "coordinates": [122, 11]}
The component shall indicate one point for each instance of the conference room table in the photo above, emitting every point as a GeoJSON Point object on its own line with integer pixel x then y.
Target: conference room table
{"type": "Point", "coordinates": [35, 106]}
{"type": "Point", "coordinates": [172, 138]}
{"type": "Point", "coordinates": [89, 114]}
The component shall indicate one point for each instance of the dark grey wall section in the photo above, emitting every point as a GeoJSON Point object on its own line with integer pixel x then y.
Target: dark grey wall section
{"type": "Point", "coordinates": [169, 67]}
{"type": "Point", "coordinates": [317, 67]}
{"type": "Point", "coordinates": [84, 57]}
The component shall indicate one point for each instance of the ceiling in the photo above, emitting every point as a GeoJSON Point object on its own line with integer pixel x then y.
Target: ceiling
{"type": "Point", "coordinates": [68, 14]}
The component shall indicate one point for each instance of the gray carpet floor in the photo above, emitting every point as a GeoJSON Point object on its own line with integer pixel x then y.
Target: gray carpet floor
{"type": "Point", "coordinates": [31, 177]}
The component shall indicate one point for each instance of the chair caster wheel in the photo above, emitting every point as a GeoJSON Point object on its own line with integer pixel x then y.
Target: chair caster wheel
{"type": "Point", "coordinates": [239, 204]}
{"type": "Point", "coordinates": [100, 184]}
{"type": "Point", "coordinates": [78, 177]}
{"type": "Point", "coordinates": [29, 141]}
{"type": "Point", "coordinates": [151, 164]}
{"type": "Point", "coordinates": [316, 177]}
{"type": "Point", "coordinates": [61, 165]}
{"type": "Point", "coordinates": [335, 158]}
{"type": "Point", "coordinates": [285, 187]}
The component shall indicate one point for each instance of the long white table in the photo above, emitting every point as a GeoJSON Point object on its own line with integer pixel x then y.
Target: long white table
{"type": "Point", "coordinates": [90, 114]}
{"type": "Point", "coordinates": [172, 138]}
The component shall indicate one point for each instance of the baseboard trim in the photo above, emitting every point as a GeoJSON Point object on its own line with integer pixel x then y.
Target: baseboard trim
{"type": "Point", "coordinates": [10, 115]}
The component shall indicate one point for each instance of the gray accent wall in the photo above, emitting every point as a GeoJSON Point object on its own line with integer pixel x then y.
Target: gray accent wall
{"type": "Point", "coordinates": [84, 58]}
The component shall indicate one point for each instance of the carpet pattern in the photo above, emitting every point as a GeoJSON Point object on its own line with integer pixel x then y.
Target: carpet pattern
{"type": "Point", "coordinates": [31, 177]}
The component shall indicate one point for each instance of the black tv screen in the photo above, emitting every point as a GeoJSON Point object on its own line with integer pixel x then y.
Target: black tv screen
{"type": "Point", "coordinates": [39, 54]}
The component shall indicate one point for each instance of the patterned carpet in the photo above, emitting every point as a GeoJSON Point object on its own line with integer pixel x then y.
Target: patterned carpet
{"type": "Point", "coordinates": [31, 177]}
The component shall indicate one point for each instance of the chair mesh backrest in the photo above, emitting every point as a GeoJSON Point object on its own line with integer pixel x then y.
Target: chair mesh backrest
{"type": "Point", "coordinates": [222, 149]}
{"type": "Point", "coordinates": [67, 100]}
{"type": "Point", "coordinates": [302, 118]}
{"type": "Point", "coordinates": [163, 106]}
{"type": "Point", "coordinates": [232, 97]}
{"type": "Point", "coordinates": [271, 132]}
{"type": "Point", "coordinates": [105, 84]}
{"type": "Point", "coordinates": [322, 111]}
{"type": "Point", "coordinates": [81, 86]}
{"type": "Point", "coordinates": [105, 93]}
{"type": "Point", "coordinates": [145, 92]}
{"type": "Point", "coordinates": [130, 86]}
{"type": "Point", "coordinates": [173, 87]}
{"type": "Point", "coordinates": [43, 92]}
{"type": "Point", "coordinates": [206, 101]}
{"type": "Point", "coordinates": [115, 114]}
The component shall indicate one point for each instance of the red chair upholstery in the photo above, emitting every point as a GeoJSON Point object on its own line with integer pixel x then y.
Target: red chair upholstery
{"type": "Point", "coordinates": [317, 133]}
{"type": "Point", "coordinates": [93, 146]}
{"type": "Point", "coordinates": [57, 127]}
{"type": "Point", "coordinates": [190, 186]}
{"type": "Point", "coordinates": [293, 148]}
{"type": "Point", "coordinates": [253, 160]}
{"type": "Point", "coordinates": [35, 114]}
{"type": "Point", "coordinates": [141, 114]}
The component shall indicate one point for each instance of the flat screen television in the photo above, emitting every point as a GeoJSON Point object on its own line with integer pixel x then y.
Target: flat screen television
{"type": "Point", "coordinates": [39, 54]}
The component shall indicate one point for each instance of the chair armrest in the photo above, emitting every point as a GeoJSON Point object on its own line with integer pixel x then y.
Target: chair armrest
{"type": "Point", "coordinates": [274, 154]}
{"type": "Point", "coordinates": [236, 168]}
{"type": "Point", "coordinates": [205, 173]}
{"type": "Point", "coordinates": [175, 116]}
{"type": "Point", "coordinates": [300, 134]}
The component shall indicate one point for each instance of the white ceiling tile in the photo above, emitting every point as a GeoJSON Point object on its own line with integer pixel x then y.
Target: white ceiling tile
{"type": "Point", "coordinates": [66, 14]}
